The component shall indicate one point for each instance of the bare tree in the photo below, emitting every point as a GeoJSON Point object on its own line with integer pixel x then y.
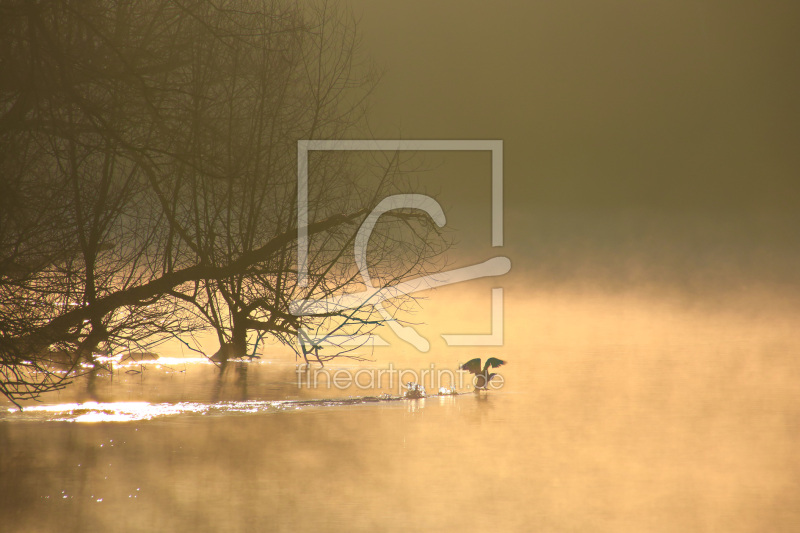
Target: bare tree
{"type": "Point", "coordinates": [149, 177]}
{"type": "Point", "coordinates": [268, 90]}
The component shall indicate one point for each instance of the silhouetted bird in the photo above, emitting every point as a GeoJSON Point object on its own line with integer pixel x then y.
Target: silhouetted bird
{"type": "Point", "coordinates": [482, 379]}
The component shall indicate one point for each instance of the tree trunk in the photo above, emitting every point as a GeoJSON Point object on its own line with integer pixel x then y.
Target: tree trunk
{"type": "Point", "coordinates": [239, 335]}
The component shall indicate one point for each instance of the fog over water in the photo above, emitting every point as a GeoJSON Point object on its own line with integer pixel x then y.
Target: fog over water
{"type": "Point", "coordinates": [618, 412]}
{"type": "Point", "coordinates": [650, 316]}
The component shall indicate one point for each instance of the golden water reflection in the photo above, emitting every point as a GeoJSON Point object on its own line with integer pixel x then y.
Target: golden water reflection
{"type": "Point", "coordinates": [654, 422]}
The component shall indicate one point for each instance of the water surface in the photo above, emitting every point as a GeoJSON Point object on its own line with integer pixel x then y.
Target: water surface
{"type": "Point", "coordinates": [613, 418]}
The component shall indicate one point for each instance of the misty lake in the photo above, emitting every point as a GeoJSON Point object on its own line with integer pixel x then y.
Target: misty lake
{"type": "Point", "coordinates": [604, 194]}
{"type": "Point", "coordinates": [660, 420]}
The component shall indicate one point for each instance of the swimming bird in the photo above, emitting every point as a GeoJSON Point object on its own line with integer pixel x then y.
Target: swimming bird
{"type": "Point", "coordinates": [482, 379]}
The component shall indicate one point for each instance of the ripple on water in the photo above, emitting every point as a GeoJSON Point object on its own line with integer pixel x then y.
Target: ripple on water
{"type": "Point", "coordinates": [136, 411]}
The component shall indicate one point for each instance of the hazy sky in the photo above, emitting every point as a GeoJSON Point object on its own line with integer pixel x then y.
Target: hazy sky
{"type": "Point", "coordinates": [607, 103]}
{"type": "Point", "coordinates": [603, 106]}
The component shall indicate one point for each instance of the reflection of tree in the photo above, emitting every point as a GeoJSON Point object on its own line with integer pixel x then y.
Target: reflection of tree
{"type": "Point", "coordinates": [148, 154]}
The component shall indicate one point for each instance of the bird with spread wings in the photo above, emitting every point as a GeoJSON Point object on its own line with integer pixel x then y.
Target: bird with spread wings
{"type": "Point", "coordinates": [482, 378]}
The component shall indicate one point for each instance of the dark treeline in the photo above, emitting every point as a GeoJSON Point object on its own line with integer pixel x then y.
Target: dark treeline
{"type": "Point", "coordinates": [148, 163]}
